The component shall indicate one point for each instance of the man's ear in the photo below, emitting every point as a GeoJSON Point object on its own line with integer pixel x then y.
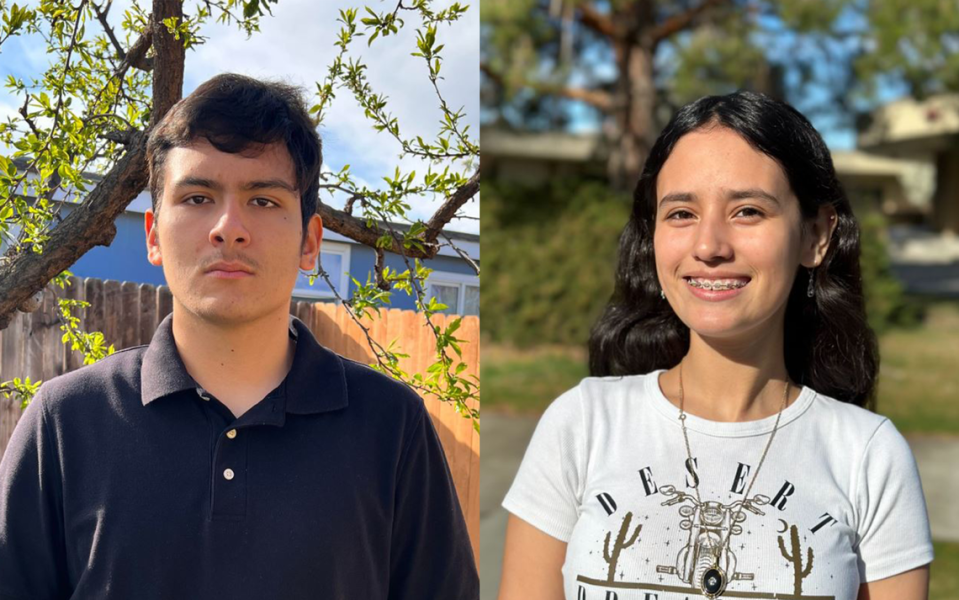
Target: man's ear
{"type": "Point", "coordinates": [311, 243]}
{"type": "Point", "coordinates": [817, 233]}
{"type": "Point", "coordinates": [153, 240]}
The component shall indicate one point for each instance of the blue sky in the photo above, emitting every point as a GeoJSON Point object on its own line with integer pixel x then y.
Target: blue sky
{"type": "Point", "coordinates": [296, 45]}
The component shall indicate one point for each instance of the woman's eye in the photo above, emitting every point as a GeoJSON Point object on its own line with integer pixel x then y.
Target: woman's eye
{"type": "Point", "coordinates": [749, 211]}
{"type": "Point", "coordinates": [682, 214]}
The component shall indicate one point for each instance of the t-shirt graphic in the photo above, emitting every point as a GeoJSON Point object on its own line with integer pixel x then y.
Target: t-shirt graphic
{"type": "Point", "coordinates": [837, 501]}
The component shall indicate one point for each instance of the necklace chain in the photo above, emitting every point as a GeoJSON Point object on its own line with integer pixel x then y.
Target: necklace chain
{"type": "Point", "coordinates": [689, 454]}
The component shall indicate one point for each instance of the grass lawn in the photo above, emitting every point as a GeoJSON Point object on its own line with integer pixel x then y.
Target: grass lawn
{"type": "Point", "coordinates": [944, 572]}
{"type": "Point", "coordinates": [918, 383]}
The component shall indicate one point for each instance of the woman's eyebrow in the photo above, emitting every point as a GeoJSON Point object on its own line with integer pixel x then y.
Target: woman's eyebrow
{"type": "Point", "coordinates": [677, 197]}
{"type": "Point", "coordinates": [752, 193]}
{"type": "Point", "coordinates": [730, 195]}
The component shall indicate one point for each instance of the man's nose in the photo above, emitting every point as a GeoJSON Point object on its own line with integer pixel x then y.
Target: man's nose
{"type": "Point", "coordinates": [230, 228]}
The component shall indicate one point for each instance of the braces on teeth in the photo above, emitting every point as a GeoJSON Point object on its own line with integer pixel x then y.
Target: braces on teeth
{"type": "Point", "coordinates": [716, 285]}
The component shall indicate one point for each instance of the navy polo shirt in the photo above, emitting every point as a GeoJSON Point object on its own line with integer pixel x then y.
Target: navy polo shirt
{"type": "Point", "coordinates": [125, 479]}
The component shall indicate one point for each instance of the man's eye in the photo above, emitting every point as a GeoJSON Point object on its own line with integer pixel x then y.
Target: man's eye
{"type": "Point", "coordinates": [193, 200]}
{"type": "Point", "coordinates": [264, 202]}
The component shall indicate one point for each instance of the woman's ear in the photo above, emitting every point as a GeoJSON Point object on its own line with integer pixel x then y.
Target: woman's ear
{"type": "Point", "coordinates": [817, 233]}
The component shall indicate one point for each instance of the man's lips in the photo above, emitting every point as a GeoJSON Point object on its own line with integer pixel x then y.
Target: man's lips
{"type": "Point", "coordinates": [229, 270]}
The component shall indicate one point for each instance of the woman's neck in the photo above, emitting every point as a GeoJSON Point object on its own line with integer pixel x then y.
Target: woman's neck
{"type": "Point", "coordinates": [731, 381]}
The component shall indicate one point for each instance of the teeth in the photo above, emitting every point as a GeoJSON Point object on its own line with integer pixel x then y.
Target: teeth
{"type": "Point", "coordinates": [716, 284]}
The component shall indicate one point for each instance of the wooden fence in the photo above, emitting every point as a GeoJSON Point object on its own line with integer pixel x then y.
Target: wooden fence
{"type": "Point", "coordinates": [128, 314]}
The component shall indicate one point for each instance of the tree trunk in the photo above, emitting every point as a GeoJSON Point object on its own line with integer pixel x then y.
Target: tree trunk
{"type": "Point", "coordinates": [630, 137]}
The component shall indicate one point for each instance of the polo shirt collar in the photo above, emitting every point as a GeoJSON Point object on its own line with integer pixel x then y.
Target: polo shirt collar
{"type": "Point", "coordinates": [316, 382]}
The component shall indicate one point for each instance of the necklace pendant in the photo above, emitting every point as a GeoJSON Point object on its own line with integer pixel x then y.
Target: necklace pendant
{"type": "Point", "coordinates": [713, 582]}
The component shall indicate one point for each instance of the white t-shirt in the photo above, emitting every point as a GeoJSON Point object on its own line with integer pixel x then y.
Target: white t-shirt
{"type": "Point", "coordinates": [837, 502]}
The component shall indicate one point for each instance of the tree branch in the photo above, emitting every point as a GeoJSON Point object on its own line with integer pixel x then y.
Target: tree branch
{"type": "Point", "coordinates": [93, 222]}
{"type": "Point", "coordinates": [597, 21]}
{"type": "Point", "coordinates": [356, 229]}
{"type": "Point", "coordinates": [102, 17]}
{"type": "Point", "coordinates": [170, 55]}
{"type": "Point", "coordinates": [677, 23]}
{"type": "Point", "coordinates": [445, 213]}
{"type": "Point", "coordinates": [90, 224]}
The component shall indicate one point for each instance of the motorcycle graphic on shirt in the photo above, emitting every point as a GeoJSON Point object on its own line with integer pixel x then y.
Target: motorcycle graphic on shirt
{"type": "Point", "coordinates": [708, 524]}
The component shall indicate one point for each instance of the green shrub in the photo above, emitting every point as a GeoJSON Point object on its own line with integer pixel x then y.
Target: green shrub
{"type": "Point", "coordinates": [886, 303]}
{"type": "Point", "coordinates": [549, 255]}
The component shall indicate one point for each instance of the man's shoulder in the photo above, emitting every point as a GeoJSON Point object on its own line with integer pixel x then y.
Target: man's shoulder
{"type": "Point", "coordinates": [111, 376]}
{"type": "Point", "coordinates": [368, 387]}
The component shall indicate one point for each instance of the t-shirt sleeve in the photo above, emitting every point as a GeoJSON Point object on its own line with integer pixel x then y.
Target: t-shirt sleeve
{"type": "Point", "coordinates": [893, 526]}
{"type": "Point", "coordinates": [431, 555]}
{"type": "Point", "coordinates": [32, 554]}
{"type": "Point", "coordinates": [547, 491]}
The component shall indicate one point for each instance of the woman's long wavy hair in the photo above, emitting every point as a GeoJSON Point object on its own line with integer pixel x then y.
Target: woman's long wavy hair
{"type": "Point", "coordinates": [828, 343]}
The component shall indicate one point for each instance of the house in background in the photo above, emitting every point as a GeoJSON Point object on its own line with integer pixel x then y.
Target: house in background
{"type": "Point", "coordinates": [900, 189]}
{"type": "Point", "coordinates": [453, 282]}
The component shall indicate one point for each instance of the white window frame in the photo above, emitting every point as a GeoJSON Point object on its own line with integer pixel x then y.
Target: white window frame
{"type": "Point", "coordinates": [341, 280]}
{"type": "Point", "coordinates": [460, 280]}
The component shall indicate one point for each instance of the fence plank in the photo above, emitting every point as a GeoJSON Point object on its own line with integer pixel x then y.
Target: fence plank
{"type": "Point", "coordinates": [164, 303]}
{"type": "Point", "coordinates": [130, 319]}
{"type": "Point", "coordinates": [112, 312]}
{"type": "Point", "coordinates": [73, 359]}
{"type": "Point", "coordinates": [49, 335]}
{"type": "Point", "coordinates": [148, 313]}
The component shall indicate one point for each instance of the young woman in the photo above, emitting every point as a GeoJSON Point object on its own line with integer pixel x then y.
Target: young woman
{"type": "Point", "coordinates": [723, 448]}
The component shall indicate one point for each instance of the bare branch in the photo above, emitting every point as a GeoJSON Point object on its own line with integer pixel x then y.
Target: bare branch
{"type": "Point", "coordinates": [447, 211]}
{"type": "Point", "coordinates": [102, 17]}
{"type": "Point", "coordinates": [679, 22]}
{"type": "Point", "coordinates": [462, 254]}
{"type": "Point", "coordinates": [597, 21]}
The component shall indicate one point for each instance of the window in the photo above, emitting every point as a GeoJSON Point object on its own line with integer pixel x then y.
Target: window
{"type": "Point", "coordinates": [334, 259]}
{"type": "Point", "coordinates": [460, 293]}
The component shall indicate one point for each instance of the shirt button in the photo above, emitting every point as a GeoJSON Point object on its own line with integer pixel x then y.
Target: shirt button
{"type": "Point", "coordinates": [228, 474]}
{"type": "Point", "coordinates": [231, 433]}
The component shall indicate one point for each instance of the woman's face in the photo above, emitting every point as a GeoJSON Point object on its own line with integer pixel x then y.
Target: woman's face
{"type": "Point", "coordinates": [727, 219]}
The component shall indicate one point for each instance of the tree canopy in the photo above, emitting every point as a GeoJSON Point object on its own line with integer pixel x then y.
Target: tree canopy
{"type": "Point", "coordinates": [629, 64]}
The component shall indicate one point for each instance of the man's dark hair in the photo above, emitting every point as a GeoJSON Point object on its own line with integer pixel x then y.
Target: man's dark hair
{"type": "Point", "coordinates": [238, 114]}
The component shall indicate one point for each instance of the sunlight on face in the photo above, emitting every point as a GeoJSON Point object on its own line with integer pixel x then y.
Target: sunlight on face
{"type": "Point", "coordinates": [229, 231]}
{"type": "Point", "coordinates": [725, 217]}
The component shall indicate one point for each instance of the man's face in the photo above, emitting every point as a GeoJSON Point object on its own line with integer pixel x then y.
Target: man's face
{"type": "Point", "coordinates": [229, 231]}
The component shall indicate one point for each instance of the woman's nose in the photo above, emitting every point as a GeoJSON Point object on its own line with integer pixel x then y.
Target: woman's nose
{"type": "Point", "coordinates": [712, 241]}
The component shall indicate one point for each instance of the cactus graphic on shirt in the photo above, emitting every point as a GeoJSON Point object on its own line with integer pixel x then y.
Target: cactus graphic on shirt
{"type": "Point", "coordinates": [612, 556]}
{"type": "Point", "coordinates": [795, 558]}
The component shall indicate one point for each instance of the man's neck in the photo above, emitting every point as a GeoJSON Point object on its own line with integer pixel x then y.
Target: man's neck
{"type": "Point", "coordinates": [237, 364]}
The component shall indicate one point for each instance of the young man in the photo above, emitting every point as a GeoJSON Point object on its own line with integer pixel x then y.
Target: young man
{"type": "Point", "coordinates": [233, 457]}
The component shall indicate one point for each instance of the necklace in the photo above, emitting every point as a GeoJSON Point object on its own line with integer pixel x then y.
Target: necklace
{"type": "Point", "coordinates": [714, 579]}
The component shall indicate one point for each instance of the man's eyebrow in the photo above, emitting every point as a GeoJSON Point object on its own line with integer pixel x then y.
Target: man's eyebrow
{"type": "Point", "coordinates": [265, 184]}
{"type": "Point", "coordinates": [259, 184]}
{"type": "Point", "coordinates": [197, 182]}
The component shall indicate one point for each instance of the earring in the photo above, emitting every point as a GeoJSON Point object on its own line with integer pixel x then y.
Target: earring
{"type": "Point", "coordinates": [810, 290]}
{"type": "Point", "coordinates": [662, 294]}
